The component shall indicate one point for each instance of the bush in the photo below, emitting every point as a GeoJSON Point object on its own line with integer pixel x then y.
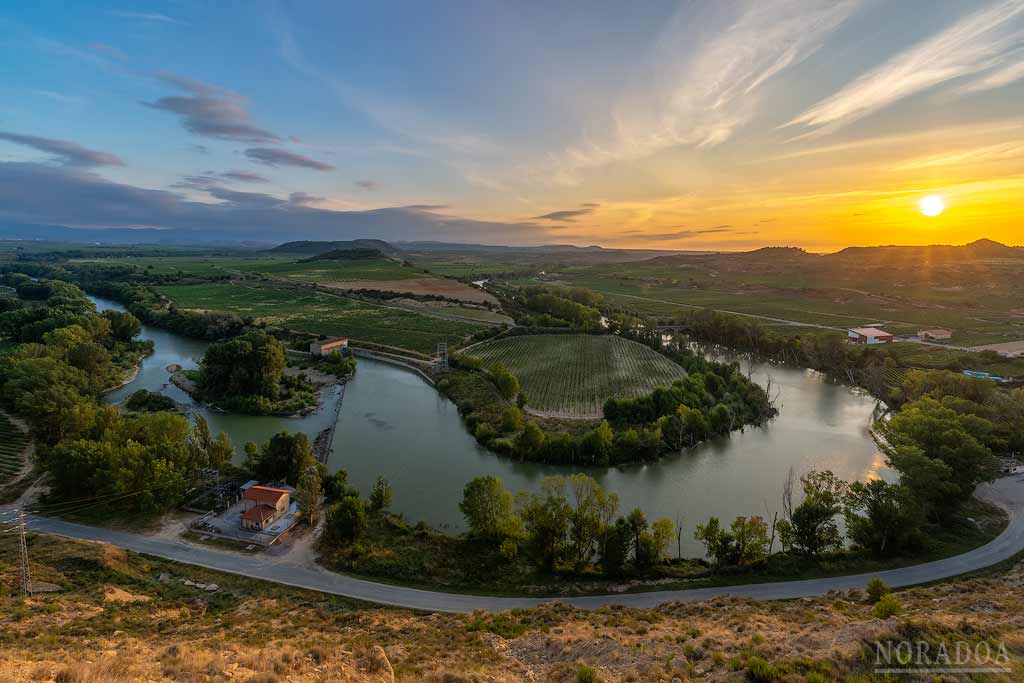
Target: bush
{"type": "Point", "coordinates": [888, 606]}
{"type": "Point", "coordinates": [586, 674]}
{"type": "Point", "coordinates": [761, 670]}
{"type": "Point", "coordinates": [877, 589]}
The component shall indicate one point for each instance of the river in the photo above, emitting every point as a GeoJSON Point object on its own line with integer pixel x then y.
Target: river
{"type": "Point", "coordinates": [392, 423]}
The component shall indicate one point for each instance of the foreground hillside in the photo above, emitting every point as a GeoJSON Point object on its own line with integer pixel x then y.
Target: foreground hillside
{"type": "Point", "coordinates": [121, 618]}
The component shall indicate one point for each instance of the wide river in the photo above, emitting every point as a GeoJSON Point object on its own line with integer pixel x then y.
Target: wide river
{"type": "Point", "coordinates": [393, 423]}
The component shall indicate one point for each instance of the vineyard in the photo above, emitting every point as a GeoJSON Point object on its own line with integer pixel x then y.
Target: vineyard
{"type": "Point", "coordinates": [571, 375]}
{"type": "Point", "coordinates": [12, 446]}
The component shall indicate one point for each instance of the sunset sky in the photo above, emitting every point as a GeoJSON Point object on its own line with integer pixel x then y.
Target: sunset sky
{"type": "Point", "coordinates": [676, 125]}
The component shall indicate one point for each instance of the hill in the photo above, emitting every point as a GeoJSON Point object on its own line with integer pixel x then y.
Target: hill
{"type": "Point", "coordinates": [345, 255]}
{"type": "Point", "coordinates": [977, 250]}
{"type": "Point", "coordinates": [313, 248]}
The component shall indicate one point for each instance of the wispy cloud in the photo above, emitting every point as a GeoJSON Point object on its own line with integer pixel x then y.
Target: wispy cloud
{"type": "Point", "coordinates": [568, 216]}
{"type": "Point", "coordinates": [211, 111]}
{"type": "Point", "coordinates": [281, 157]}
{"type": "Point", "coordinates": [67, 152]}
{"type": "Point", "coordinates": [147, 16]}
{"type": "Point", "coordinates": [997, 152]}
{"type": "Point", "coordinates": [368, 185]}
{"type": "Point", "coordinates": [982, 41]}
{"type": "Point", "coordinates": [701, 90]}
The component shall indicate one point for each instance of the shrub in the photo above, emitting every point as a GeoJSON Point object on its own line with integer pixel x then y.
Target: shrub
{"type": "Point", "coordinates": [876, 589]}
{"type": "Point", "coordinates": [760, 670]}
{"type": "Point", "coordinates": [888, 606]}
{"type": "Point", "coordinates": [586, 674]}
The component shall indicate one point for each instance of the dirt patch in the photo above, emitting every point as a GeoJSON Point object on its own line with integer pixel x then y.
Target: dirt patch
{"type": "Point", "coordinates": [452, 289]}
{"type": "Point", "coordinates": [115, 594]}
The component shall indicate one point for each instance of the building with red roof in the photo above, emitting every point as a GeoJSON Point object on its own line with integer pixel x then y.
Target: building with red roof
{"type": "Point", "coordinates": [263, 506]}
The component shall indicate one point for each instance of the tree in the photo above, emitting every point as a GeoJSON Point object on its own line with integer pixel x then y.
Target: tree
{"type": "Point", "coordinates": [637, 526]}
{"type": "Point", "coordinates": [200, 442]}
{"type": "Point", "coordinates": [285, 457]}
{"type": "Point", "coordinates": [718, 543]}
{"type": "Point", "coordinates": [546, 518]}
{"type": "Point", "coordinates": [489, 509]}
{"type": "Point", "coordinates": [615, 547]}
{"type": "Point", "coordinates": [511, 420]}
{"type": "Point", "coordinates": [346, 520]}
{"type": "Point", "coordinates": [247, 366]}
{"type": "Point", "coordinates": [662, 531]}
{"type": "Point", "coordinates": [882, 518]}
{"type": "Point", "coordinates": [308, 494]}
{"type": "Point", "coordinates": [530, 441]}
{"type": "Point", "coordinates": [929, 481]}
{"type": "Point", "coordinates": [597, 444]}
{"type": "Point", "coordinates": [123, 325]}
{"type": "Point", "coordinates": [592, 510]}
{"type": "Point", "coordinates": [221, 452]}
{"type": "Point", "coordinates": [505, 381]}
{"type": "Point", "coordinates": [750, 535]}
{"type": "Point", "coordinates": [380, 496]}
{"type": "Point", "coordinates": [812, 529]}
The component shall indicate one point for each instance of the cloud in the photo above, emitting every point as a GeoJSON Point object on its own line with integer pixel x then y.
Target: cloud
{"type": "Point", "coordinates": [68, 153]}
{"type": "Point", "coordinates": [699, 90]}
{"type": "Point", "coordinates": [87, 200]}
{"type": "Point", "coordinates": [282, 157]}
{"type": "Point", "coordinates": [568, 216]}
{"type": "Point", "coordinates": [303, 199]}
{"type": "Point", "coordinates": [977, 43]}
{"type": "Point", "coordinates": [244, 177]}
{"type": "Point", "coordinates": [997, 152]}
{"type": "Point", "coordinates": [147, 16]}
{"type": "Point", "coordinates": [999, 78]}
{"type": "Point", "coordinates": [690, 234]}
{"type": "Point", "coordinates": [210, 111]}
{"type": "Point", "coordinates": [368, 185]}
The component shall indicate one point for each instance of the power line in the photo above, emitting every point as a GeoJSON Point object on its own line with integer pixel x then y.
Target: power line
{"type": "Point", "coordinates": [26, 579]}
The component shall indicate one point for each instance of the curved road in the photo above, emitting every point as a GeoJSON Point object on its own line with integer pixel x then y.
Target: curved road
{"type": "Point", "coordinates": [1007, 492]}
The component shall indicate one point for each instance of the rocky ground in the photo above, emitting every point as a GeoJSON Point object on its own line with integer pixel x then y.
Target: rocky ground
{"type": "Point", "coordinates": [121, 618]}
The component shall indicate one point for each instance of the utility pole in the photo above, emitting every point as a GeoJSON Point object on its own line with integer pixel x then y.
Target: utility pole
{"type": "Point", "coordinates": [26, 579]}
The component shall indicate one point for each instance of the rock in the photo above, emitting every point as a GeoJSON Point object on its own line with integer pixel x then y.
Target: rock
{"type": "Point", "coordinates": [164, 577]}
{"type": "Point", "coordinates": [211, 587]}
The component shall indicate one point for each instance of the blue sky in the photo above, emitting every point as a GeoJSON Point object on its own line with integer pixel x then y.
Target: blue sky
{"type": "Point", "coordinates": [654, 124]}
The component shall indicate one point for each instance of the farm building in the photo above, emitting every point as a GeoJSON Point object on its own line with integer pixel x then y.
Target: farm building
{"type": "Point", "coordinates": [263, 505]}
{"type": "Point", "coordinates": [868, 335]}
{"type": "Point", "coordinates": [326, 346]}
{"type": "Point", "coordinates": [938, 334]}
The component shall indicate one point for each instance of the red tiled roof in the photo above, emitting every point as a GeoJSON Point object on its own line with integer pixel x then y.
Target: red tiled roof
{"type": "Point", "coordinates": [333, 341]}
{"type": "Point", "coordinates": [264, 494]}
{"type": "Point", "coordinates": [260, 513]}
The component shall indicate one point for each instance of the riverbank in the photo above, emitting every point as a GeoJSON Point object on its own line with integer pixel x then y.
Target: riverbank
{"type": "Point", "coordinates": [400, 554]}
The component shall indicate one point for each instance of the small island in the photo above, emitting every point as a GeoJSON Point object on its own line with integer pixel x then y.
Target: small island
{"type": "Point", "coordinates": [250, 374]}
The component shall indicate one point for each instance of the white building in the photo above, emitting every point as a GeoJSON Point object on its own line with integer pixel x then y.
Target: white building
{"type": "Point", "coordinates": [868, 335]}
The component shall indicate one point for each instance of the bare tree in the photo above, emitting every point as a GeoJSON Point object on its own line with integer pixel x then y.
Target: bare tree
{"type": "Point", "coordinates": [679, 535]}
{"type": "Point", "coordinates": [787, 493]}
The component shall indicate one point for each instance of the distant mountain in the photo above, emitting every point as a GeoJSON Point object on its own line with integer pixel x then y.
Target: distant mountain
{"type": "Point", "coordinates": [979, 249]}
{"type": "Point", "coordinates": [316, 248]}
{"type": "Point", "coordinates": [345, 255]}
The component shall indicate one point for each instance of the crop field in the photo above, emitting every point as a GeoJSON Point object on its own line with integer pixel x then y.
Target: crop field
{"type": "Point", "coordinates": [338, 271]}
{"type": "Point", "coordinates": [308, 311]}
{"type": "Point", "coordinates": [193, 265]}
{"type": "Point", "coordinates": [12, 445]}
{"type": "Point", "coordinates": [571, 375]}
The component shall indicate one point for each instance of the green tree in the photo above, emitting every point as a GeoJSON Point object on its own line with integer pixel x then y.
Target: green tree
{"type": "Point", "coordinates": [751, 538]}
{"type": "Point", "coordinates": [511, 420]}
{"type": "Point", "coordinates": [505, 381]}
{"type": "Point", "coordinates": [346, 520]}
{"type": "Point", "coordinates": [598, 443]}
{"type": "Point", "coordinates": [615, 545]}
{"type": "Point", "coordinates": [123, 325]}
{"type": "Point", "coordinates": [308, 494]}
{"type": "Point", "coordinates": [285, 457]}
{"type": "Point", "coordinates": [637, 526]}
{"type": "Point", "coordinates": [546, 516]}
{"type": "Point", "coordinates": [882, 518]}
{"type": "Point", "coordinates": [719, 544]}
{"type": "Point", "coordinates": [530, 441]}
{"type": "Point", "coordinates": [812, 528]}
{"type": "Point", "coordinates": [247, 366]}
{"type": "Point", "coordinates": [221, 452]}
{"type": "Point", "coordinates": [593, 508]}
{"type": "Point", "coordinates": [380, 496]}
{"type": "Point", "coordinates": [489, 509]}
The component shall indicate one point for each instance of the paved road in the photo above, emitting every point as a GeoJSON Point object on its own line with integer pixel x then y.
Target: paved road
{"type": "Point", "coordinates": [1007, 492]}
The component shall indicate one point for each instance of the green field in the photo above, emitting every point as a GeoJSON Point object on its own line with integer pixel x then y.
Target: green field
{"type": "Point", "coordinates": [319, 313]}
{"type": "Point", "coordinates": [336, 271]}
{"type": "Point", "coordinates": [192, 265]}
{"type": "Point", "coordinates": [12, 446]}
{"type": "Point", "coordinates": [571, 375]}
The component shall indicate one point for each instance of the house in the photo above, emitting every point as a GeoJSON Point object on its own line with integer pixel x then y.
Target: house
{"type": "Point", "coordinates": [938, 334]}
{"type": "Point", "coordinates": [326, 346]}
{"type": "Point", "coordinates": [868, 335]}
{"type": "Point", "coordinates": [263, 506]}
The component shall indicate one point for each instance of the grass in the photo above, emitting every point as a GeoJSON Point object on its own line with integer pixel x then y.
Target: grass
{"type": "Point", "coordinates": [192, 265]}
{"type": "Point", "coordinates": [332, 271]}
{"type": "Point", "coordinates": [320, 313]}
{"type": "Point", "coordinates": [573, 374]}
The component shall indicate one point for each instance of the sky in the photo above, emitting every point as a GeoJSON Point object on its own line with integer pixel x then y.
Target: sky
{"type": "Point", "coordinates": [664, 125]}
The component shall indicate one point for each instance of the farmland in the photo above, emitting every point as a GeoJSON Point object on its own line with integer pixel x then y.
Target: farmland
{"type": "Point", "coordinates": [319, 313]}
{"type": "Point", "coordinates": [12, 449]}
{"type": "Point", "coordinates": [572, 375]}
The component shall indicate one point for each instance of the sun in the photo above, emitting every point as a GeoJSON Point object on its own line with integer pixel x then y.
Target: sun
{"type": "Point", "coordinates": [932, 205]}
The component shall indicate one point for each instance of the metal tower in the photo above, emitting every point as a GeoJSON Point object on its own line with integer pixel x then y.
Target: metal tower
{"type": "Point", "coordinates": [26, 579]}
